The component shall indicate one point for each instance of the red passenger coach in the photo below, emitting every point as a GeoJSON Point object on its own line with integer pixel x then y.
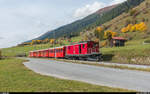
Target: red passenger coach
{"type": "Point", "coordinates": [34, 54]}
{"type": "Point", "coordinates": [42, 53]}
{"type": "Point", "coordinates": [60, 52]}
{"type": "Point", "coordinates": [46, 53]}
{"type": "Point", "coordinates": [51, 53]}
{"type": "Point", "coordinates": [31, 54]}
{"type": "Point", "coordinates": [39, 53]}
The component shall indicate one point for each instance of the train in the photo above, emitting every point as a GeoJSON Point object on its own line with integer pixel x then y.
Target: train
{"type": "Point", "coordinates": [78, 51]}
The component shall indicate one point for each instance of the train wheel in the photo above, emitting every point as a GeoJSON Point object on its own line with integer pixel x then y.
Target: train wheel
{"type": "Point", "coordinates": [98, 59]}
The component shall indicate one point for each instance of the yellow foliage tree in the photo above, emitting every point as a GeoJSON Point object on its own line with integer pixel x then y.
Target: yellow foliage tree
{"type": "Point", "coordinates": [133, 28]}
{"type": "Point", "coordinates": [137, 27]}
{"type": "Point", "coordinates": [46, 40]}
{"type": "Point", "coordinates": [103, 44]}
{"type": "Point", "coordinates": [99, 29]}
{"type": "Point", "coordinates": [114, 34]}
{"type": "Point", "coordinates": [124, 30]}
{"type": "Point", "coordinates": [52, 41]}
{"type": "Point", "coordinates": [109, 33]}
{"type": "Point", "coordinates": [99, 33]}
{"type": "Point", "coordinates": [142, 27]}
{"type": "Point", "coordinates": [129, 27]}
{"type": "Point", "coordinates": [33, 42]}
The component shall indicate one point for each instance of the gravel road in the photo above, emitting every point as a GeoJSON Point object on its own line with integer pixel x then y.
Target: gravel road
{"type": "Point", "coordinates": [127, 79]}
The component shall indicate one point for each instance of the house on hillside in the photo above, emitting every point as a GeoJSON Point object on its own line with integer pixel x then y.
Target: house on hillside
{"type": "Point", "coordinates": [118, 41]}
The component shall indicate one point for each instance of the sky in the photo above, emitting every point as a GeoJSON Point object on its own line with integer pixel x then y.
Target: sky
{"type": "Point", "coordinates": [22, 20]}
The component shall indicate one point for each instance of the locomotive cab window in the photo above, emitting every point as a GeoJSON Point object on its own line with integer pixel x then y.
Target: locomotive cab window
{"type": "Point", "coordinates": [95, 44]}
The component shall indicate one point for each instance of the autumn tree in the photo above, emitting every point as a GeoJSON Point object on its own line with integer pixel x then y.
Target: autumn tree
{"type": "Point", "coordinates": [33, 42]}
{"type": "Point", "coordinates": [52, 41]}
{"type": "Point", "coordinates": [141, 27]}
{"type": "Point", "coordinates": [108, 35]}
{"type": "Point", "coordinates": [38, 41]}
{"type": "Point", "coordinates": [99, 33]}
{"type": "Point", "coordinates": [133, 28]}
{"type": "Point", "coordinates": [46, 41]}
{"type": "Point", "coordinates": [103, 44]}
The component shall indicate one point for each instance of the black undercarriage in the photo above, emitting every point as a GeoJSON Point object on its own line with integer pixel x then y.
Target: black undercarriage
{"type": "Point", "coordinates": [97, 57]}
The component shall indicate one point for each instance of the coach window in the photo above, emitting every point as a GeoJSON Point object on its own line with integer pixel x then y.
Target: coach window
{"type": "Point", "coordinates": [69, 47]}
{"type": "Point", "coordinates": [83, 45]}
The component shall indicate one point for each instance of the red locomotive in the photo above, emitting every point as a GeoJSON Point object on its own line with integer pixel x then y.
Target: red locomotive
{"type": "Point", "coordinates": [79, 51]}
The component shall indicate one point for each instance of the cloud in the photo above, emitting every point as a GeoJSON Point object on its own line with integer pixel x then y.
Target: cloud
{"type": "Point", "coordinates": [88, 9]}
{"type": "Point", "coordinates": [117, 1]}
{"type": "Point", "coordinates": [91, 8]}
{"type": "Point", "coordinates": [20, 22]}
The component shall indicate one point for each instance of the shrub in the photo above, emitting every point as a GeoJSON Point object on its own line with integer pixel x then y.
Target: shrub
{"type": "Point", "coordinates": [132, 12]}
{"type": "Point", "coordinates": [145, 11]}
{"type": "Point", "coordinates": [21, 55]}
{"type": "Point", "coordinates": [103, 44]}
{"type": "Point", "coordinates": [134, 21]}
{"type": "Point", "coordinates": [147, 41]}
{"type": "Point", "coordinates": [127, 22]}
{"type": "Point", "coordinates": [147, 4]}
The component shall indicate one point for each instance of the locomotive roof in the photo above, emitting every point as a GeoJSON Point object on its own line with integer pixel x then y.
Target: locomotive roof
{"type": "Point", "coordinates": [82, 42]}
{"type": "Point", "coordinates": [47, 49]}
{"type": "Point", "coordinates": [38, 50]}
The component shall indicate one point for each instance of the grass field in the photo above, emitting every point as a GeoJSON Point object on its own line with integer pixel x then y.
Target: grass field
{"type": "Point", "coordinates": [15, 77]}
{"type": "Point", "coordinates": [134, 50]}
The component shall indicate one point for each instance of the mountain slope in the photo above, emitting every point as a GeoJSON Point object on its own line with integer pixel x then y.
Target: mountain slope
{"type": "Point", "coordinates": [141, 14]}
{"type": "Point", "coordinates": [75, 26]}
{"type": "Point", "coordinates": [98, 18]}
